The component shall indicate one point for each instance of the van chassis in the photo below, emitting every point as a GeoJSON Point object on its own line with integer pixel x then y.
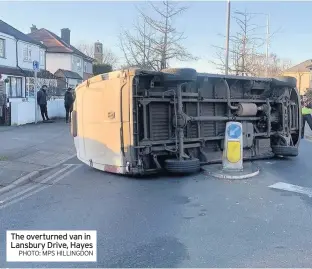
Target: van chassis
{"type": "Point", "coordinates": [179, 118]}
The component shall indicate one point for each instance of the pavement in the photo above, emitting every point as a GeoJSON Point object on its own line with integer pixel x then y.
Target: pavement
{"type": "Point", "coordinates": [28, 148]}
{"type": "Point", "coordinates": [192, 221]}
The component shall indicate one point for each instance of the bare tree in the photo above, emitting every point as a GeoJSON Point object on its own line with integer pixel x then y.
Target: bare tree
{"type": "Point", "coordinates": [245, 53]}
{"type": "Point", "coordinates": [168, 41]}
{"type": "Point", "coordinates": [109, 57]}
{"type": "Point", "coordinates": [243, 44]}
{"type": "Point", "coordinates": [87, 49]}
{"type": "Point", "coordinates": [137, 47]}
{"type": "Point", "coordinates": [275, 66]}
{"type": "Point", "coordinates": [156, 41]}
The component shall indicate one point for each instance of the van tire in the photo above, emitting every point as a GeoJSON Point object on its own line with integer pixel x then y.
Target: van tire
{"type": "Point", "coordinates": [286, 151]}
{"type": "Point", "coordinates": [188, 166]}
{"type": "Point", "coordinates": [285, 81]}
{"type": "Point", "coordinates": [180, 74]}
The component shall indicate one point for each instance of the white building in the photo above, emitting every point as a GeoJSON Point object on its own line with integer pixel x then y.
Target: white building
{"type": "Point", "coordinates": [17, 53]}
{"type": "Point", "coordinates": [17, 84]}
{"type": "Point", "coordinates": [63, 59]}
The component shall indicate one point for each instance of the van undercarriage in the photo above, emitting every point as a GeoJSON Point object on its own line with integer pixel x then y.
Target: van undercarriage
{"type": "Point", "coordinates": [179, 118]}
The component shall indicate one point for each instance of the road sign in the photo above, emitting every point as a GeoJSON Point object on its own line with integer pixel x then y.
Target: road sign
{"type": "Point", "coordinates": [233, 147]}
{"type": "Point", "coordinates": [234, 131]}
{"type": "Point", "coordinates": [36, 65]}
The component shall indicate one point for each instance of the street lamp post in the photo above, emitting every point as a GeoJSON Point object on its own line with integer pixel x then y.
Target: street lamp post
{"type": "Point", "coordinates": [267, 44]}
{"type": "Point", "coordinates": [227, 44]}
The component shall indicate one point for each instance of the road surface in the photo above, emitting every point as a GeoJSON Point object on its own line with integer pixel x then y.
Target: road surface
{"type": "Point", "coordinates": [193, 221]}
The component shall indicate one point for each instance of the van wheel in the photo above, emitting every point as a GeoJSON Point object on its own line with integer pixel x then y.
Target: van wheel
{"type": "Point", "coordinates": [180, 74]}
{"type": "Point", "coordinates": [290, 151]}
{"type": "Point", "coordinates": [188, 166]}
{"type": "Point", "coordinates": [285, 81]}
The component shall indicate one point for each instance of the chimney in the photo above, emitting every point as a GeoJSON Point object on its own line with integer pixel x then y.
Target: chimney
{"type": "Point", "coordinates": [33, 28]}
{"type": "Point", "coordinates": [65, 35]}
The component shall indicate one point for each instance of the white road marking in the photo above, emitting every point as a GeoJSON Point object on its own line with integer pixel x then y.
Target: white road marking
{"type": "Point", "coordinates": [45, 181]}
{"type": "Point", "coordinates": [30, 191]}
{"type": "Point", "coordinates": [292, 188]}
{"type": "Point", "coordinates": [22, 139]}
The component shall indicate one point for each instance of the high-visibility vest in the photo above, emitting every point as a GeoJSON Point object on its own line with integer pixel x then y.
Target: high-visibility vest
{"type": "Point", "coordinates": [306, 111]}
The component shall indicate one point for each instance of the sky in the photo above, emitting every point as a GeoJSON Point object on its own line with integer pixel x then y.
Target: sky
{"type": "Point", "coordinates": [203, 24]}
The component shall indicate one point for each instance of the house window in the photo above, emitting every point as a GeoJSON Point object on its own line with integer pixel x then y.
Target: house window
{"type": "Point", "coordinates": [27, 54]}
{"type": "Point", "coordinates": [30, 87]}
{"type": "Point", "coordinates": [15, 87]}
{"type": "Point", "coordinates": [2, 48]}
{"type": "Point", "coordinates": [41, 57]}
{"type": "Point", "coordinates": [77, 64]}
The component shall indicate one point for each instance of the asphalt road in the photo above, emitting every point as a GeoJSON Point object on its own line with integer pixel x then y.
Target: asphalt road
{"type": "Point", "coordinates": [193, 221]}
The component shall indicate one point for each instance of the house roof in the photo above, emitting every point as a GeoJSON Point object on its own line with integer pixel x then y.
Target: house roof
{"type": "Point", "coordinates": [14, 71]}
{"type": "Point", "coordinates": [302, 67]}
{"type": "Point", "coordinates": [68, 74]}
{"type": "Point", "coordinates": [10, 30]}
{"type": "Point", "coordinates": [55, 44]}
{"type": "Point", "coordinates": [4, 70]}
{"type": "Point", "coordinates": [41, 74]}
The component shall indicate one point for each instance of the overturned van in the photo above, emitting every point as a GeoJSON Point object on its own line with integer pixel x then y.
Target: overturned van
{"type": "Point", "coordinates": [137, 122]}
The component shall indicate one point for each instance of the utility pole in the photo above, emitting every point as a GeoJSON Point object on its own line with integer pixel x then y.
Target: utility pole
{"type": "Point", "coordinates": [35, 92]}
{"type": "Point", "coordinates": [227, 45]}
{"type": "Point", "coordinates": [267, 44]}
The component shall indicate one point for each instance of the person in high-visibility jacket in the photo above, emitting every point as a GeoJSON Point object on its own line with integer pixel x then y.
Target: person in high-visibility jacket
{"type": "Point", "coordinates": [306, 112]}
